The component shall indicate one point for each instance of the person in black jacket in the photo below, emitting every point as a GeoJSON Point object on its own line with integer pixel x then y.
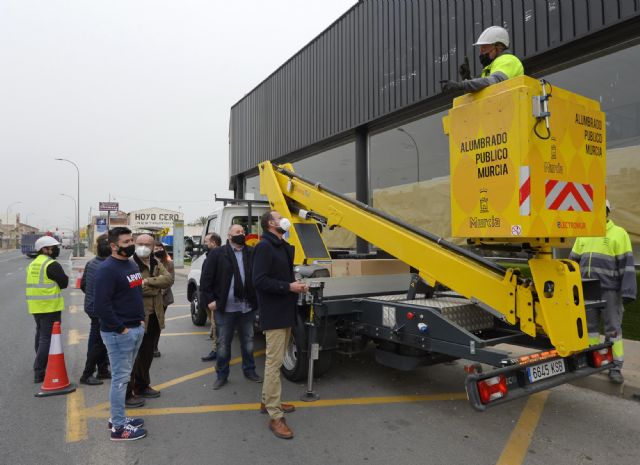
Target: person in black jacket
{"type": "Point", "coordinates": [276, 289]}
{"type": "Point", "coordinates": [211, 241]}
{"type": "Point", "coordinates": [228, 292]}
{"type": "Point", "coordinates": [96, 350]}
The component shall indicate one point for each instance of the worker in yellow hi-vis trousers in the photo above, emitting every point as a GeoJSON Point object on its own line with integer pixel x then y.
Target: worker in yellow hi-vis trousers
{"type": "Point", "coordinates": [610, 260]}
{"type": "Point", "coordinates": [499, 65]}
{"type": "Point", "coordinates": [45, 279]}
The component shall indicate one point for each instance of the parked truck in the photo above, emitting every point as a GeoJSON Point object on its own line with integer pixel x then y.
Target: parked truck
{"type": "Point", "coordinates": [28, 242]}
{"type": "Point", "coordinates": [458, 304]}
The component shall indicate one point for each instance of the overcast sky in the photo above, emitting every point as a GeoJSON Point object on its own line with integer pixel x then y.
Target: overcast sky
{"type": "Point", "coordinates": [137, 93]}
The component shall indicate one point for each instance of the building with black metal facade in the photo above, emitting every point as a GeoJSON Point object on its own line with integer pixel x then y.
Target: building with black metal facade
{"type": "Point", "coordinates": [359, 108]}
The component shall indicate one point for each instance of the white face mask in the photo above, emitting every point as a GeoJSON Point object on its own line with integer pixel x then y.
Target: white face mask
{"type": "Point", "coordinates": [143, 251]}
{"type": "Point", "coordinates": [285, 224]}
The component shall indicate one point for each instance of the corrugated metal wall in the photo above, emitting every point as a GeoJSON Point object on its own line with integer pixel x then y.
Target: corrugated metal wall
{"type": "Point", "coordinates": [385, 55]}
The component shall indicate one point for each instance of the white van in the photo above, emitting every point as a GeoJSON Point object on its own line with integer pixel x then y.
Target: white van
{"type": "Point", "coordinates": [232, 211]}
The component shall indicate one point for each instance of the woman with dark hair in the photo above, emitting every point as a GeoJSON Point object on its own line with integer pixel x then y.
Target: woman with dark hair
{"type": "Point", "coordinates": [167, 295]}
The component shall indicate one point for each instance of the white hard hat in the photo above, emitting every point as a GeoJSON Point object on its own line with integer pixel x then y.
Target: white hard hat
{"type": "Point", "coordinates": [493, 34]}
{"type": "Point", "coordinates": [608, 205]}
{"type": "Point", "coordinates": [46, 241]}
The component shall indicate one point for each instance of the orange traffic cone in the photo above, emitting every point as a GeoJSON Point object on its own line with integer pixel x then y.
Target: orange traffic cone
{"type": "Point", "coordinates": [56, 381]}
{"type": "Point", "coordinates": [79, 279]}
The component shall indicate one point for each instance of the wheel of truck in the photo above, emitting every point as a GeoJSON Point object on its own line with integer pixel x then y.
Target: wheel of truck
{"type": "Point", "coordinates": [198, 315]}
{"type": "Point", "coordinates": [295, 364]}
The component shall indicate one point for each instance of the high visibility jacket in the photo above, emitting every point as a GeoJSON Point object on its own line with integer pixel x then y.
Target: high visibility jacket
{"type": "Point", "coordinates": [608, 259]}
{"type": "Point", "coordinates": [507, 64]}
{"type": "Point", "coordinates": [43, 294]}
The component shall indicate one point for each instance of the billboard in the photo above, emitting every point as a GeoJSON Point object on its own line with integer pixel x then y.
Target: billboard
{"type": "Point", "coordinates": [153, 218]}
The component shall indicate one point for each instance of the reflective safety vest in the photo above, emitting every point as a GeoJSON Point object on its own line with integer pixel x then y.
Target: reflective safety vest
{"type": "Point", "coordinates": [608, 259]}
{"type": "Point", "coordinates": [507, 64]}
{"type": "Point", "coordinates": [43, 294]}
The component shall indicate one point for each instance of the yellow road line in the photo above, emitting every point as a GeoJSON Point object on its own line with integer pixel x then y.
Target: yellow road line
{"type": "Point", "coordinates": [77, 414]}
{"type": "Point", "coordinates": [194, 333]}
{"type": "Point", "coordinates": [75, 337]}
{"type": "Point", "coordinates": [76, 417]}
{"type": "Point", "coordinates": [299, 404]}
{"type": "Point", "coordinates": [96, 409]}
{"type": "Point", "coordinates": [177, 317]}
{"type": "Point", "coordinates": [518, 444]}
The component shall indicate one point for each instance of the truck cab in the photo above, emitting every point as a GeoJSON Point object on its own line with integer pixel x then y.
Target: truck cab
{"type": "Point", "coordinates": [233, 211]}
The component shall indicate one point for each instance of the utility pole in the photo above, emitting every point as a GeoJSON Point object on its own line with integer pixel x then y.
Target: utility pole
{"type": "Point", "coordinates": [77, 206]}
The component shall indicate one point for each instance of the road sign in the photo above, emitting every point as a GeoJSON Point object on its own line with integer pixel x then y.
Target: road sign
{"type": "Point", "coordinates": [108, 206]}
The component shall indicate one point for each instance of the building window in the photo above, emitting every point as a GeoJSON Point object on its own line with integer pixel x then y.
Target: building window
{"type": "Point", "coordinates": [252, 188]}
{"type": "Point", "coordinates": [409, 173]}
{"type": "Point", "coordinates": [612, 81]}
{"type": "Point", "coordinates": [336, 170]}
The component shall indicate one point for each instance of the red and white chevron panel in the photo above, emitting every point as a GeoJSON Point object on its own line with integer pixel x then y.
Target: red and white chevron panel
{"type": "Point", "coordinates": [525, 191]}
{"type": "Point", "coordinates": [568, 196]}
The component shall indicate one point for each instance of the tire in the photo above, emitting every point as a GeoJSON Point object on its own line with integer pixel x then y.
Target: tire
{"type": "Point", "coordinates": [198, 315]}
{"type": "Point", "coordinates": [295, 365]}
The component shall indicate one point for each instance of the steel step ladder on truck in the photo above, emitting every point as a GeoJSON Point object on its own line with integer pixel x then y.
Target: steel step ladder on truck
{"type": "Point", "coordinates": [527, 171]}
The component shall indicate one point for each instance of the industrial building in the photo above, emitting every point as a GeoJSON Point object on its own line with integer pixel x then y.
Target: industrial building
{"type": "Point", "coordinates": [360, 110]}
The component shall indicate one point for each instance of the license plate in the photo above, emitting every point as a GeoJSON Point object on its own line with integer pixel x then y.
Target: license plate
{"type": "Point", "coordinates": [545, 370]}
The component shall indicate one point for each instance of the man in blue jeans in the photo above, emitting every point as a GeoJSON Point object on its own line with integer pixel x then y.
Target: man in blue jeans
{"type": "Point", "coordinates": [227, 288]}
{"type": "Point", "coordinates": [119, 305]}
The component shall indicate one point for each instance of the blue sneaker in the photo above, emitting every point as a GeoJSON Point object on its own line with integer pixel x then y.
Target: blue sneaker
{"type": "Point", "coordinates": [135, 422]}
{"type": "Point", "coordinates": [127, 433]}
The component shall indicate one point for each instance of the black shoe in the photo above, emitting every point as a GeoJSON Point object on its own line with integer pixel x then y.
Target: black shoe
{"type": "Point", "coordinates": [156, 353]}
{"type": "Point", "coordinates": [219, 383]}
{"type": "Point", "coordinates": [209, 358]}
{"type": "Point", "coordinates": [105, 375]}
{"type": "Point", "coordinates": [615, 377]}
{"type": "Point", "coordinates": [134, 402]}
{"type": "Point", "coordinates": [148, 393]}
{"type": "Point", "coordinates": [90, 381]}
{"type": "Point", "coordinates": [38, 378]}
{"type": "Point", "coordinates": [253, 376]}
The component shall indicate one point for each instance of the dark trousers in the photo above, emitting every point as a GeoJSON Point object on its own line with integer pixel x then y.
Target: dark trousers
{"type": "Point", "coordinates": [140, 378]}
{"type": "Point", "coordinates": [96, 351]}
{"type": "Point", "coordinates": [226, 323]}
{"type": "Point", "coordinates": [44, 326]}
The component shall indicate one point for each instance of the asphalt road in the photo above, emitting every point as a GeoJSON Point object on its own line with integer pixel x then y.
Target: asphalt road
{"type": "Point", "coordinates": [367, 413]}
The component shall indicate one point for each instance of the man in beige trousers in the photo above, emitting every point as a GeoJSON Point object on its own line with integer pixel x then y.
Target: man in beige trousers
{"type": "Point", "coordinates": [276, 289]}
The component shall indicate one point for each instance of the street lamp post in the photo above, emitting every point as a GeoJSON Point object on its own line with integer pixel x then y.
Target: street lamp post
{"type": "Point", "coordinates": [417, 151]}
{"type": "Point", "coordinates": [75, 209]}
{"type": "Point", "coordinates": [77, 205]}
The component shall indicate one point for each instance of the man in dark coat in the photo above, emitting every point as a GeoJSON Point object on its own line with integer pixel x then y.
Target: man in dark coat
{"type": "Point", "coordinates": [227, 290]}
{"type": "Point", "coordinates": [276, 290]}
{"type": "Point", "coordinates": [96, 352]}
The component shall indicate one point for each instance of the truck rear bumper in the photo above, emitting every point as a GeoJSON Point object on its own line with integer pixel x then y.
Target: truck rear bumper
{"type": "Point", "coordinates": [517, 380]}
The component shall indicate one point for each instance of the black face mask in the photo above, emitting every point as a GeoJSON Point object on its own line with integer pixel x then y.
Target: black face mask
{"type": "Point", "coordinates": [485, 59]}
{"type": "Point", "coordinates": [127, 251]}
{"type": "Point", "coordinates": [239, 239]}
{"type": "Point", "coordinates": [104, 250]}
{"type": "Point", "coordinates": [160, 254]}
{"type": "Point", "coordinates": [55, 251]}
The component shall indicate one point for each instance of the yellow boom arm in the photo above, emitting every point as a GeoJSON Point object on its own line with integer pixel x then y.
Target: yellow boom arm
{"type": "Point", "coordinates": [553, 304]}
